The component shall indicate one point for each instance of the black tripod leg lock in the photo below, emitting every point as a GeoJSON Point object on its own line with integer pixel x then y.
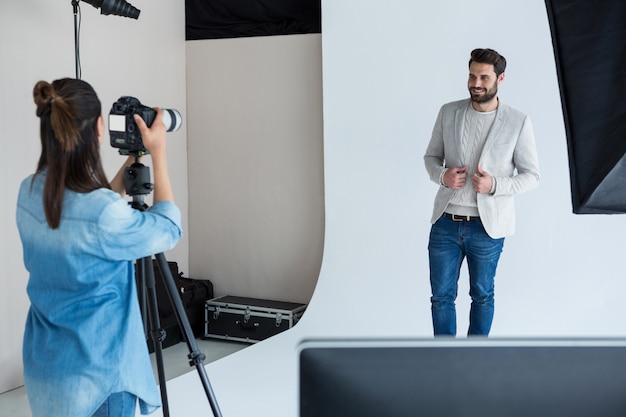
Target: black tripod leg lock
{"type": "Point", "coordinates": [195, 358]}
{"type": "Point", "coordinates": [158, 335]}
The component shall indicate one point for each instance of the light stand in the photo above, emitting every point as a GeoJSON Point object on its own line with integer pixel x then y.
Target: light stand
{"type": "Point", "coordinates": [116, 7]}
{"type": "Point", "coordinates": [76, 39]}
{"type": "Point", "coordinates": [137, 184]}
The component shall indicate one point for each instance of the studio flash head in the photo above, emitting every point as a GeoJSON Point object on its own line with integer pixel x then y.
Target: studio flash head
{"type": "Point", "coordinates": [123, 130]}
{"type": "Point", "coordinates": [115, 7]}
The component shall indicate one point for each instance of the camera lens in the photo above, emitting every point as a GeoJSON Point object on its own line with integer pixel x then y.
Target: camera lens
{"type": "Point", "coordinates": [172, 120]}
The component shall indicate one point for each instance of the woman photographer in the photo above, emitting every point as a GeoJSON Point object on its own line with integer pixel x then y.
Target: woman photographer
{"type": "Point", "coordinates": [85, 352]}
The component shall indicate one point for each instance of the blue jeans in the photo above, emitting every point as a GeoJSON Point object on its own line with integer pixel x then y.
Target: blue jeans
{"type": "Point", "coordinates": [450, 243]}
{"type": "Point", "coordinates": [119, 404]}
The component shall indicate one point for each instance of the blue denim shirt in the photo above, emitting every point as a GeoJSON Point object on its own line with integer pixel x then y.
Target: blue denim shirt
{"type": "Point", "coordinates": [84, 337]}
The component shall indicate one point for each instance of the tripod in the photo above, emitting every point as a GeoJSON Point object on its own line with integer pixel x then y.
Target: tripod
{"type": "Point", "coordinates": [137, 184]}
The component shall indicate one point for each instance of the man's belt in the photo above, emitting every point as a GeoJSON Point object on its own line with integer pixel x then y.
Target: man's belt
{"type": "Point", "coordinates": [459, 218]}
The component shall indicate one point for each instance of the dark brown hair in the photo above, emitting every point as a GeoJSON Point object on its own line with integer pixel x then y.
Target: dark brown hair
{"type": "Point", "coordinates": [68, 110]}
{"type": "Point", "coordinates": [489, 56]}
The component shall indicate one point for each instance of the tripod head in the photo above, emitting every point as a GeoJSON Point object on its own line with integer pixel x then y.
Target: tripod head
{"type": "Point", "coordinates": [137, 183]}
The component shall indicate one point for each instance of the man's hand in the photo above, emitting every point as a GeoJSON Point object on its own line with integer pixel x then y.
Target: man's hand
{"type": "Point", "coordinates": [482, 181]}
{"type": "Point", "coordinates": [455, 177]}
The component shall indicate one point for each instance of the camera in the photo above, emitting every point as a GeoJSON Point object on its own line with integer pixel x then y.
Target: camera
{"type": "Point", "coordinates": [123, 130]}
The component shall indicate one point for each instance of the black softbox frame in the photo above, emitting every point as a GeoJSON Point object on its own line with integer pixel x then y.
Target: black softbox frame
{"type": "Point", "coordinates": [589, 41]}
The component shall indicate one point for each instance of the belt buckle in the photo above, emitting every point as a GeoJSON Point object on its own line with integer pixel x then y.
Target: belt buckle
{"type": "Point", "coordinates": [458, 218]}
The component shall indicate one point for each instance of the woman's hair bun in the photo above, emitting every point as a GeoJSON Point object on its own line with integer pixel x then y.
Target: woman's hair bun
{"type": "Point", "coordinates": [44, 96]}
{"type": "Point", "coordinates": [61, 115]}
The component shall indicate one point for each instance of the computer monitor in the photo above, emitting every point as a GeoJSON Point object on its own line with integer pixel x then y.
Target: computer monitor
{"type": "Point", "coordinates": [474, 377]}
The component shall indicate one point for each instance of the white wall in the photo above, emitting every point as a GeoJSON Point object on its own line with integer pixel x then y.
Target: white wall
{"type": "Point", "coordinates": [256, 186]}
{"type": "Point", "coordinates": [387, 68]}
{"type": "Point", "coordinates": [120, 56]}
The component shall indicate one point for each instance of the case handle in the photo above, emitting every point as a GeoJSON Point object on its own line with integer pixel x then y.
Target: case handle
{"type": "Point", "coordinates": [247, 325]}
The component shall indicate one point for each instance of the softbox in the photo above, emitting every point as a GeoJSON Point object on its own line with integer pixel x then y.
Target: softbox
{"type": "Point", "coordinates": [589, 41]}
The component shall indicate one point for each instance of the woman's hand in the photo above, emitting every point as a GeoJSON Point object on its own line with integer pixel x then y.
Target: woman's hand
{"type": "Point", "coordinates": [153, 137]}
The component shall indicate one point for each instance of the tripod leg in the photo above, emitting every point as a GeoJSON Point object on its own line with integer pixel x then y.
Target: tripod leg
{"type": "Point", "coordinates": [196, 358]}
{"type": "Point", "coordinates": [157, 334]}
{"type": "Point", "coordinates": [141, 296]}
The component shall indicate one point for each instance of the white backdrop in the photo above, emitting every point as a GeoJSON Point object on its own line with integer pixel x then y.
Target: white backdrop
{"type": "Point", "coordinates": [387, 68]}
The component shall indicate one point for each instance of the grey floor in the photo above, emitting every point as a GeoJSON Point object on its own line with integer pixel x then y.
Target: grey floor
{"type": "Point", "coordinates": [175, 363]}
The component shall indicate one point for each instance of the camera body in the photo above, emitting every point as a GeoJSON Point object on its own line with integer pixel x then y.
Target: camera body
{"type": "Point", "coordinates": [123, 130]}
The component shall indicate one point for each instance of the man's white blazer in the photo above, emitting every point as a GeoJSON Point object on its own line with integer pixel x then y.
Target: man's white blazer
{"type": "Point", "coordinates": [509, 155]}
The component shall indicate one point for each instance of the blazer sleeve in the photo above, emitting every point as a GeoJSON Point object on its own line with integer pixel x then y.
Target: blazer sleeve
{"type": "Point", "coordinates": [434, 158]}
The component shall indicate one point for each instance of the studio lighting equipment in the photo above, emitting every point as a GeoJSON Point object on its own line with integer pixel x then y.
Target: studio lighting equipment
{"type": "Point", "coordinates": [115, 7]}
{"type": "Point", "coordinates": [107, 7]}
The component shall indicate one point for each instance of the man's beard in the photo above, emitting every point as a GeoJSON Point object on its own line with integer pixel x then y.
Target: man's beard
{"type": "Point", "coordinates": [489, 94]}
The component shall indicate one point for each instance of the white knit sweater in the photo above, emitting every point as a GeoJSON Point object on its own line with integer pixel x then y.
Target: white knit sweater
{"type": "Point", "coordinates": [476, 127]}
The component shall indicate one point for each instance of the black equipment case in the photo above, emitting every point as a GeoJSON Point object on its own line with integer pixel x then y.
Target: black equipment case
{"type": "Point", "coordinates": [249, 319]}
{"type": "Point", "coordinates": [193, 294]}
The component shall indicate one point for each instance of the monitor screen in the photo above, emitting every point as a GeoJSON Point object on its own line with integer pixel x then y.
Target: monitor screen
{"type": "Point", "coordinates": [462, 377]}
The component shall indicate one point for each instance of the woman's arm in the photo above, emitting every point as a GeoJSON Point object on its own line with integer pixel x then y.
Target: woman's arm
{"type": "Point", "coordinates": [117, 183]}
{"type": "Point", "coordinates": [154, 139]}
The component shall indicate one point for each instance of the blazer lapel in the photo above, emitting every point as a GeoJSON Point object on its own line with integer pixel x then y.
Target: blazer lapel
{"type": "Point", "coordinates": [497, 125]}
{"type": "Point", "coordinates": [459, 121]}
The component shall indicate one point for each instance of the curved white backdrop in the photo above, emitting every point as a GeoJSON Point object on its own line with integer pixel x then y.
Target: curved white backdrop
{"type": "Point", "coordinates": [387, 68]}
